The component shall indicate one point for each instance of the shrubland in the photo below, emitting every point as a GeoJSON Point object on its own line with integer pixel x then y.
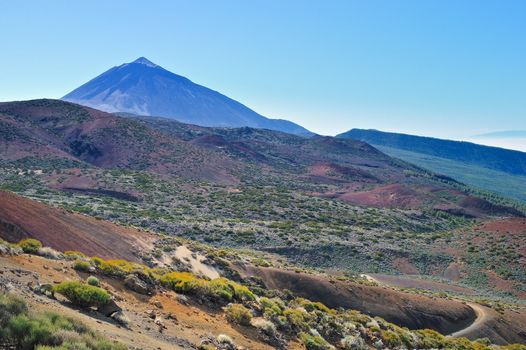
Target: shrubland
{"type": "Point", "coordinates": [277, 318]}
{"type": "Point", "coordinates": [26, 330]}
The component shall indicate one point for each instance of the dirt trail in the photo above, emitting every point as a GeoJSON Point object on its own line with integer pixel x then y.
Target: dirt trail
{"type": "Point", "coordinates": [482, 317]}
{"type": "Point", "coordinates": [406, 309]}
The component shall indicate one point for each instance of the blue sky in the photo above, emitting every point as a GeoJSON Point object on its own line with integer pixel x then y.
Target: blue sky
{"type": "Point", "coordinates": [445, 68]}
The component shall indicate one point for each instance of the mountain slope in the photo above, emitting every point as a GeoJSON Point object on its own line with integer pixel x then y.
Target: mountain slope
{"type": "Point", "coordinates": [144, 88]}
{"type": "Point", "coordinates": [61, 131]}
{"type": "Point", "coordinates": [512, 186]}
{"type": "Point", "coordinates": [22, 218]}
{"type": "Point", "coordinates": [320, 202]}
{"type": "Point", "coordinates": [344, 169]}
{"type": "Point", "coordinates": [508, 161]}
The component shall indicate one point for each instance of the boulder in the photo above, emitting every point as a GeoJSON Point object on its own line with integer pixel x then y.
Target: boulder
{"type": "Point", "coordinates": [109, 309]}
{"type": "Point", "coordinates": [136, 284]}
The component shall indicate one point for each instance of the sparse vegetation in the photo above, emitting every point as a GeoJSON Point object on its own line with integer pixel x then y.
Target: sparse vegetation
{"type": "Point", "coordinates": [22, 329]}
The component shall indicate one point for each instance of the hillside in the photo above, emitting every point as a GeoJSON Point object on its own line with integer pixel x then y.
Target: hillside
{"type": "Point", "coordinates": [144, 88]}
{"type": "Point", "coordinates": [508, 161]}
{"type": "Point", "coordinates": [493, 169]}
{"type": "Point", "coordinates": [321, 202]}
{"type": "Point", "coordinates": [54, 133]}
{"type": "Point", "coordinates": [512, 186]}
{"type": "Point", "coordinates": [160, 302]}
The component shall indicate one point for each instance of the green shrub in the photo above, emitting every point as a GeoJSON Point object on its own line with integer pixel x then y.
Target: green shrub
{"type": "Point", "coordinates": [30, 245]}
{"type": "Point", "coordinates": [297, 318]}
{"type": "Point", "coordinates": [24, 330]}
{"type": "Point", "coordinates": [93, 281]}
{"type": "Point", "coordinates": [83, 266]}
{"type": "Point", "coordinates": [314, 342]}
{"type": "Point", "coordinates": [219, 288]}
{"type": "Point", "coordinates": [10, 306]}
{"type": "Point", "coordinates": [237, 313]}
{"type": "Point", "coordinates": [82, 294]}
{"type": "Point", "coordinates": [312, 306]}
{"type": "Point", "coordinates": [391, 339]}
{"type": "Point", "coordinates": [430, 339]}
{"type": "Point", "coordinates": [271, 307]}
{"type": "Point", "coordinates": [116, 268]}
{"type": "Point", "coordinates": [74, 255]}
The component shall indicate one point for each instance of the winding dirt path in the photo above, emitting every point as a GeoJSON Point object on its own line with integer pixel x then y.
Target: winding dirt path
{"type": "Point", "coordinates": [482, 317]}
{"type": "Point", "coordinates": [480, 312]}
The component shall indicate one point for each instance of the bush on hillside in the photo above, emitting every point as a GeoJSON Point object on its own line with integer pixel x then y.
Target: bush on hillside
{"type": "Point", "coordinates": [83, 295]}
{"type": "Point", "coordinates": [83, 266]}
{"type": "Point", "coordinates": [115, 268]}
{"type": "Point", "coordinates": [314, 342]}
{"type": "Point", "coordinates": [74, 255]}
{"type": "Point", "coordinates": [237, 313]}
{"type": "Point", "coordinates": [21, 329]}
{"type": "Point", "coordinates": [49, 253]}
{"type": "Point", "coordinates": [10, 306]}
{"type": "Point", "coordinates": [30, 245]}
{"type": "Point", "coordinates": [220, 289]}
{"type": "Point", "coordinates": [93, 281]}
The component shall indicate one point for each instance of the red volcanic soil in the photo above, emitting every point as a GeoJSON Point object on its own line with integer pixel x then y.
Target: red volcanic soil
{"type": "Point", "coordinates": [504, 285]}
{"type": "Point", "coordinates": [388, 196]}
{"type": "Point", "coordinates": [415, 196]}
{"type": "Point", "coordinates": [409, 310]}
{"type": "Point", "coordinates": [327, 172]}
{"type": "Point", "coordinates": [511, 226]}
{"type": "Point", "coordinates": [24, 218]}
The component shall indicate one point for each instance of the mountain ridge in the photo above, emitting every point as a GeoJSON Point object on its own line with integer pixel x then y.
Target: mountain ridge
{"type": "Point", "coordinates": [509, 161]}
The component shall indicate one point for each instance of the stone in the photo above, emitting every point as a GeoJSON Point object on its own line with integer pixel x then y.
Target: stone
{"type": "Point", "coordinates": [137, 285]}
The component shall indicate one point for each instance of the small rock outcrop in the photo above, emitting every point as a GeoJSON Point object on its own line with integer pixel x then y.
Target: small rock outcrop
{"type": "Point", "coordinates": [138, 285]}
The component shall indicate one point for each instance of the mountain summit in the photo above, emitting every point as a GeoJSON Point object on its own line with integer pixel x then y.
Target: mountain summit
{"type": "Point", "coordinates": [144, 88]}
{"type": "Point", "coordinates": [145, 61]}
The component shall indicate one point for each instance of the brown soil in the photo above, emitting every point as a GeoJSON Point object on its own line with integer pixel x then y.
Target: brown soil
{"type": "Point", "coordinates": [505, 327]}
{"type": "Point", "coordinates": [24, 218]}
{"type": "Point", "coordinates": [409, 310]}
{"type": "Point", "coordinates": [185, 328]}
{"type": "Point", "coordinates": [405, 266]}
{"type": "Point", "coordinates": [416, 283]}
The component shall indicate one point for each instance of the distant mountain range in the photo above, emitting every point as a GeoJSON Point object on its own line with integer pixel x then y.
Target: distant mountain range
{"type": "Point", "coordinates": [144, 88]}
{"type": "Point", "coordinates": [508, 161]}
{"type": "Point", "coordinates": [496, 169]}
{"type": "Point", "coordinates": [504, 134]}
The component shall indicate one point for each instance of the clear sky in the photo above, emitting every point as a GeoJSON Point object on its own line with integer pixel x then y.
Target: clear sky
{"type": "Point", "coordinates": [446, 68]}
